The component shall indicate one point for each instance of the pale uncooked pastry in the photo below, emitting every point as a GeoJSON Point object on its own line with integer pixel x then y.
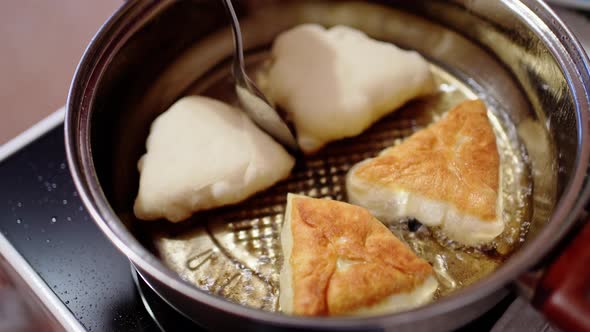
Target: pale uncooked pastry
{"type": "Point", "coordinates": [335, 83]}
{"type": "Point", "coordinates": [445, 175]}
{"type": "Point", "coordinates": [202, 154]}
{"type": "Point", "coordinates": [340, 260]}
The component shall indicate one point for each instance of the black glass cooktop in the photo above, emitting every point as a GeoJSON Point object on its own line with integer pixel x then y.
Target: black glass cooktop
{"type": "Point", "coordinates": [43, 217]}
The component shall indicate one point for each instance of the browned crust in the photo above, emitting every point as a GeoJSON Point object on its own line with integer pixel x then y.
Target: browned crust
{"type": "Point", "coordinates": [324, 231]}
{"type": "Point", "coordinates": [454, 160]}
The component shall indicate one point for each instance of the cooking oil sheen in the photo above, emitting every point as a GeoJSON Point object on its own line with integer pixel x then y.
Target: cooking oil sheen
{"type": "Point", "coordinates": [235, 251]}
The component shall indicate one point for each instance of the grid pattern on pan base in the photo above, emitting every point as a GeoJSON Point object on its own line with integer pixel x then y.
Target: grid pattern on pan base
{"type": "Point", "coordinates": [235, 251]}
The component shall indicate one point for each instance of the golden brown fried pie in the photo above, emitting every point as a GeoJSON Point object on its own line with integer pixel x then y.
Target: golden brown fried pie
{"type": "Point", "coordinates": [340, 260]}
{"type": "Point", "coordinates": [446, 175]}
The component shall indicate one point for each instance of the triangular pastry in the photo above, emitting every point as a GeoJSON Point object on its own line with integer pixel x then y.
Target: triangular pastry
{"type": "Point", "coordinates": [445, 175]}
{"type": "Point", "coordinates": [336, 82]}
{"type": "Point", "coordinates": [202, 154]}
{"type": "Point", "coordinates": [340, 260]}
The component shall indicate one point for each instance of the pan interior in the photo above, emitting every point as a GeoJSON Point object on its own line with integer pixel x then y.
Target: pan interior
{"type": "Point", "coordinates": [234, 252]}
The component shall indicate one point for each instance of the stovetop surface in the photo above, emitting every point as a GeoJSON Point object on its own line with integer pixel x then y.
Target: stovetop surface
{"type": "Point", "coordinates": [44, 219]}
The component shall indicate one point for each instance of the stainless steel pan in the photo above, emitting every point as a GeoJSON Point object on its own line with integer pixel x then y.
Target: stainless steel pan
{"type": "Point", "coordinates": [516, 55]}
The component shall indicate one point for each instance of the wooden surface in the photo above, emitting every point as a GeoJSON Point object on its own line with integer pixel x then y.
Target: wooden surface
{"type": "Point", "coordinates": [41, 42]}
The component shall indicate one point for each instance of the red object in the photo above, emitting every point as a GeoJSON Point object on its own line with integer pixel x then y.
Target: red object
{"type": "Point", "coordinates": [564, 291]}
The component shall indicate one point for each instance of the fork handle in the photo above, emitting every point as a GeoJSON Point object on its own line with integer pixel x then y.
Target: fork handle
{"type": "Point", "coordinates": [238, 63]}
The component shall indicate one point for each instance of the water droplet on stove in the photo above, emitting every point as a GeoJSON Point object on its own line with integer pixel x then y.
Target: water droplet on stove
{"type": "Point", "coordinates": [54, 185]}
{"type": "Point", "coordinates": [39, 178]}
{"type": "Point", "coordinates": [67, 302]}
{"type": "Point", "coordinates": [65, 202]}
{"type": "Point", "coordinates": [19, 204]}
{"type": "Point", "coordinates": [28, 238]}
{"type": "Point", "coordinates": [81, 208]}
{"type": "Point", "coordinates": [18, 221]}
{"type": "Point", "coordinates": [48, 240]}
{"type": "Point", "coordinates": [62, 165]}
{"type": "Point", "coordinates": [69, 218]}
{"type": "Point", "coordinates": [53, 220]}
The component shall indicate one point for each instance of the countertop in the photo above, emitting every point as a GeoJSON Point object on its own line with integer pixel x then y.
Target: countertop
{"type": "Point", "coordinates": [41, 44]}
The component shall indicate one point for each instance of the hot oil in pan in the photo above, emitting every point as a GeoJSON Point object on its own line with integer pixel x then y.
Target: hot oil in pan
{"type": "Point", "coordinates": [457, 266]}
{"type": "Point", "coordinates": [235, 251]}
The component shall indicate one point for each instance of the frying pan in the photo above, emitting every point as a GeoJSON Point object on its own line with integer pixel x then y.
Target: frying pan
{"type": "Point", "coordinates": [515, 55]}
